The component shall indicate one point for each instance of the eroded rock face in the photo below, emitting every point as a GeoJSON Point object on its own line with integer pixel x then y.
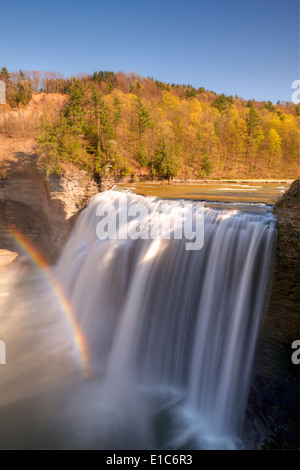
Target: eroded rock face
{"type": "Point", "coordinates": [6, 258]}
{"type": "Point", "coordinates": [272, 419]}
{"type": "Point", "coordinates": [40, 208]}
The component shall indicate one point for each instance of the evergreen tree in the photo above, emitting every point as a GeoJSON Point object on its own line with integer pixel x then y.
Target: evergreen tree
{"type": "Point", "coordinates": [280, 115]}
{"type": "Point", "coordinates": [49, 148]}
{"type": "Point", "coordinates": [143, 117]}
{"type": "Point", "coordinates": [221, 103]}
{"type": "Point", "coordinates": [138, 88]}
{"type": "Point", "coordinates": [253, 122]}
{"type": "Point", "coordinates": [58, 144]}
{"type": "Point", "coordinates": [24, 92]}
{"type": "Point", "coordinates": [142, 156]}
{"type": "Point", "coordinates": [102, 120]}
{"type": "Point", "coordinates": [117, 117]}
{"type": "Point", "coordinates": [164, 163]}
{"type": "Point", "coordinates": [75, 111]}
{"type": "Point", "coordinates": [190, 92]}
{"type": "Point", "coordinates": [110, 87]}
{"type": "Point", "coordinates": [4, 75]}
{"type": "Point", "coordinates": [205, 167]}
{"type": "Point", "coordinates": [100, 132]}
{"type": "Point", "coordinates": [269, 105]}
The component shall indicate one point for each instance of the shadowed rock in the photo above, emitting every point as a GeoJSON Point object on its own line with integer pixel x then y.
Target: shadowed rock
{"type": "Point", "coordinates": [272, 419]}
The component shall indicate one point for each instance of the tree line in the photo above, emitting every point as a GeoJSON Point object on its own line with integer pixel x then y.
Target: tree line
{"type": "Point", "coordinates": [123, 124]}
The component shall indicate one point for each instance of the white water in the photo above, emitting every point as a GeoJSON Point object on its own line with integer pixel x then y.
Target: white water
{"type": "Point", "coordinates": [171, 335]}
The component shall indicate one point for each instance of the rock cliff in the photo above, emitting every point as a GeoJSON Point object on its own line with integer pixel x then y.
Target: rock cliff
{"type": "Point", "coordinates": [39, 207]}
{"type": "Point", "coordinates": [272, 419]}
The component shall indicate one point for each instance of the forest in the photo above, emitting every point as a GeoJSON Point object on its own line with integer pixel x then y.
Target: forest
{"type": "Point", "coordinates": [125, 125]}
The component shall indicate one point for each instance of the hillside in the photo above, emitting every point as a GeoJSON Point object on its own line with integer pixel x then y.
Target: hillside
{"type": "Point", "coordinates": [127, 126]}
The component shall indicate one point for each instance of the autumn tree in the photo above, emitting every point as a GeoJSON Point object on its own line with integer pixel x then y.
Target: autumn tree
{"type": "Point", "coordinates": [116, 123]}
{"type": "Point", "coordinates": [274, 146]}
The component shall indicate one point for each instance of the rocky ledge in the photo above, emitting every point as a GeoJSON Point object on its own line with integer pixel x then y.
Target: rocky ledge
{"type": "Point", "coordinates": [272, 418]}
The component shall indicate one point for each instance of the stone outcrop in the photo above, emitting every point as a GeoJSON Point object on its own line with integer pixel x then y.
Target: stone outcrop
{"type": "Point", "coordinates": [272, 419]}
{"type": "Point", "coordinates": [6, 258]}
{"type": "Point", "coordinates": [41, 208]}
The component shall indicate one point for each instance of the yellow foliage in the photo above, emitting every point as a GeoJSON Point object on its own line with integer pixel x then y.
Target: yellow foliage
{"type": "Point", "coordinates": [274, 142]}
{"type": "Point", "coordinates": [171, 102]}
{"type": "Point", "coordinates": [196, 131]}
{"type": "Point", "coordinates": [195, 106]}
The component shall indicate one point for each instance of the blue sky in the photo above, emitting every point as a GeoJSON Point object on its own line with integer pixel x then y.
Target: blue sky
{"type": "Point", "coordinates": [244, 47]}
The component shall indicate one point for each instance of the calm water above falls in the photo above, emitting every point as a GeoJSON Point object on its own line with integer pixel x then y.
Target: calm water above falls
{"type": "Point", "coordinates": [248, 196]}
{"type": "Point", "coordinates": [136, 343]}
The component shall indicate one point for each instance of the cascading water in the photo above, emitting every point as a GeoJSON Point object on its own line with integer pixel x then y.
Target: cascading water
{"type": "Point", "coordinates": [170, 332]}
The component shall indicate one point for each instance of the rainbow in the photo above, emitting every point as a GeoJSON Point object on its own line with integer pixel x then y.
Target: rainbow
{"type": "Point", "coordinates": [41, 263]}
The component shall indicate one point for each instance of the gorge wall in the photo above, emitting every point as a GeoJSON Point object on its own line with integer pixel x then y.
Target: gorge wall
{"type": "Point", "coordinates": [39, 207]}
{"type": "Point", "coordinates": [272, 419]}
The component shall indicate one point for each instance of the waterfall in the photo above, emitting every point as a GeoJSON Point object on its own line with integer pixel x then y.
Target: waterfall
{"type": "Point", "coordinates": [170, 332]}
